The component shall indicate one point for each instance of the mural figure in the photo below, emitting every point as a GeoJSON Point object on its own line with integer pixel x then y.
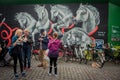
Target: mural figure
{"type": "Point", "coordinates": [43, 18]}
{"type": "Point", "coordinates": [26, 21]}
{"type": "Point", "coordinates": [89, 16]}
{"type": "Point", "coordinates": [63, 15]}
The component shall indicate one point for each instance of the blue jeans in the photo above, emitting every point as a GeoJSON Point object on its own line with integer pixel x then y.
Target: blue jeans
{"type": "Point", "coordinates": [27, 56]}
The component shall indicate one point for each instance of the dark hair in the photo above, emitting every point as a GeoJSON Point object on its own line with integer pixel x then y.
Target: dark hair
{"type": "Point", "coordinates": [42, 30]}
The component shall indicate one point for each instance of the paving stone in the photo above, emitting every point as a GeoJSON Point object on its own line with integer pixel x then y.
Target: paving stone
{"type": "Point", "coordinates": [66, 71]}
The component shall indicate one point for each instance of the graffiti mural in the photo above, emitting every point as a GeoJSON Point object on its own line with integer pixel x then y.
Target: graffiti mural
{"type": "Point", "coordinates": [90, 17]}
{"type": "Point", "coordinates": [6, 34]}
{"type": "Point", "coordinates": [99, 43]}
{"type": "Point", "coordinates": [75, 23]}
{"type": "Point", "coordinates": [63, 15]}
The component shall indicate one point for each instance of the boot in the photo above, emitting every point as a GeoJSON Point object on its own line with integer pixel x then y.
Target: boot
{"type": "Point", "coordinates": [50, 70]}
{"type": "Point", "coordinates": [55, 70]}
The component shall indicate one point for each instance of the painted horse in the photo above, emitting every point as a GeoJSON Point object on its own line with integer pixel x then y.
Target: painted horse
{"type": "Point", "coordinates": [62, 16]}
{"type": "Point", "coordinates": [26, 21]}
{"type": "Point", "coordinates": [89, 16]}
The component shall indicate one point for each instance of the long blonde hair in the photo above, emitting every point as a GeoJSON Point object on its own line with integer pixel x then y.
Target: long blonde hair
{"type": "Point", "coordinates": [26, 30]}
{"type": "Point", "coordinates": [18, 31]}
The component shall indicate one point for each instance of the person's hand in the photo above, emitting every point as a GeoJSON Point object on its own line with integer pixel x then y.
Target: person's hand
{"type": "Point", "coordinates": [25, 39]}
{"type": "Point", "coordinates": [20, 39]}
{"type": "Point", "coordinates": [40, 39]}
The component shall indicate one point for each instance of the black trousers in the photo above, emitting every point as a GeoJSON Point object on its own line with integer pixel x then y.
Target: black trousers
{"type": "Point", "coordinates": [53, 61]}
{"type": "Point", "coordinates": [17, 55]}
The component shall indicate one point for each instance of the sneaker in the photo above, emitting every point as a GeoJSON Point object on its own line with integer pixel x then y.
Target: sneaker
{"type": "Point", "coordinates": [23, 74]}
{"type": "Point", "coordinates": [49, 74]}
{"type": "Point", "coordinates": [56, 75]}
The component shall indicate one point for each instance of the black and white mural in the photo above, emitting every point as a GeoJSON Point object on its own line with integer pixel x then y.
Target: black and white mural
{"type": "Point", "coordinates": [75, 23]}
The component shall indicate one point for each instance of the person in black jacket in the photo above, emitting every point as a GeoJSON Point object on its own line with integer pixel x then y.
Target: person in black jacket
{"type": "Point", "coordinates": [43, 39]}
{"type": "Point", "coordinates": [27, 46]}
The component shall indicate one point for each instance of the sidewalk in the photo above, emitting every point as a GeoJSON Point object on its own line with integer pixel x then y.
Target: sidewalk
{"type": "Point", "coordinates": [66, 71]}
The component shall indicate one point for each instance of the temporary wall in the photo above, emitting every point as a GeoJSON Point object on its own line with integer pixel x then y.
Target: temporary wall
{"type": "Point", "coordinates": [114, 24]}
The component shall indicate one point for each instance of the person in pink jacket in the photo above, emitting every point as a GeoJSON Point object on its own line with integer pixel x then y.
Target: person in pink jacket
{"type": "Point", "coordinates": [54, 45]}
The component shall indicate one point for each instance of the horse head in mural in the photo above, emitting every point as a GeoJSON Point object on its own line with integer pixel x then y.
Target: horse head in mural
{"type": "Point", "coordinates": [43, 18]}
{"type": "Point", "coordinates": [26, 21]}
{"type": "Point", "coordinates": [63, 15]}
{"type": "Point", "coordinates": [89, 15]}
